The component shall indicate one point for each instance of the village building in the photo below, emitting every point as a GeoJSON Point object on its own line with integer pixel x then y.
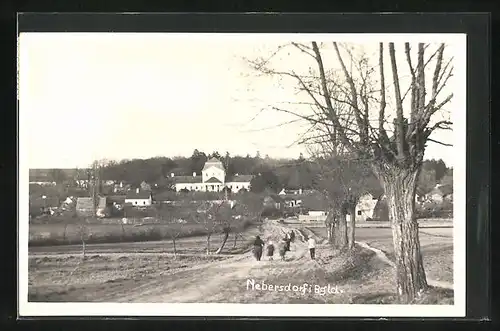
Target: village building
{"type": "Point", "coordinates": [371, 206]}
{"type": "Point", "coordinates": [292, 202]}
{"type": "Point", "coordinates": [285, 191]}
{"type": "Point", "coordinates": [43, 204]}
{"type": "Point", "coordinates": [41, 177]}
{"type": "Point", "coordinates": [85, 206]}
{"type": "Point", "coordinates": [116, 200]}
{"type": "Point", "coordinates": [139, 198]}
{"type": "Point", "coordinates": [121, 187]}
{"type": "Point", "coordinates": [274, 201]}
{"type": "Point", "coordinates": [41, 182]}
{"type": "Point", "coordinates": [365, 206]}
{"type": "Point", "coordinates": [213, 179]}
{"type": "Point", "coordinates": [441, 193]}
{"type": "Point", "coordinates": [419, 196]}
{"type": "Point", "coordinates": [316, 213]}
{"type": "Point", "coordinates": [145, 186]}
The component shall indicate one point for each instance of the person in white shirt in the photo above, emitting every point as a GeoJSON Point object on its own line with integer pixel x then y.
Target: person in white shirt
{"type": "Point", "coordinates": [312, 247]}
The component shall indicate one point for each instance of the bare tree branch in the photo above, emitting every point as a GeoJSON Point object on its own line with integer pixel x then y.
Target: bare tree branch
{"type": "Point", "coordinates": [439, 142]}
{"type": "Point", "coordinates": [326, 94]}
{"type": "Point", "coordinates": [399, 106]}
{"type": "Point", "coordinates": [383, 104]}
{"type": "Point", "coordinates": [413, 81]}
{"type": "Point", "coordinates": [444, 125]}
{"type": "Point", "coordinates": [435, 78]}
{"type": "Point", "coordinates": [353, 93]}
{"type": "Point", "coordinates": [304, 49]}
{"type": "Point", "coordinates": [272, 126]}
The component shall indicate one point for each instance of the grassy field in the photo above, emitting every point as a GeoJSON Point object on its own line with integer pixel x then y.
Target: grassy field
{"type": "Point", "coordinates": [148, 272]}
{"type": "Point", "coordinates": [361, 277]}
{"type": "Point", "coordinates": [59, 276]}
{"type": "Point", "coordinates": [64, 279]}
{"type": "Point", "coordinates": [436, 245]}
{"type": "Point", "coordinates": [68, 234]}
{"type": "Point", "coordinates": [423, 223]}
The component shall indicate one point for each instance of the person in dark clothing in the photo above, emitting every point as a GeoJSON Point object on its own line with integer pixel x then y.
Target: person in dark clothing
{"type": "Point", "coordinates": [258, 244]}
{"type": "Point", "coordinates": [311, 243]}
{"type": "Point", "coordinates": [292, 236]}
{"type": "Point", "coordinates": [287, 243]}
{"type": "Point", "coordinates": [270, 250]}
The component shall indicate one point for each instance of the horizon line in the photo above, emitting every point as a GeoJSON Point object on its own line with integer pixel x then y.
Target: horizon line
{"type": "Point", "coordinates": [187, 157]}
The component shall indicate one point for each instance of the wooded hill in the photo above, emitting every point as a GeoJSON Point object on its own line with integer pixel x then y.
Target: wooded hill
{"type": "Point", "coordinates": [270, 173]}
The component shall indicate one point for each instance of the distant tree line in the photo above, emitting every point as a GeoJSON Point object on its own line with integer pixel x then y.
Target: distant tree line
{"type": "Point", "coordinates": [273, 174]}
{"type": "Point", "coordinates": [434, 172]}
{"type": "Point", "coordinates": [269, 173]}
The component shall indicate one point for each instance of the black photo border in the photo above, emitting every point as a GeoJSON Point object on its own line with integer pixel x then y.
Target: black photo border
{"type": "Point", "coordinates": [478, 168]}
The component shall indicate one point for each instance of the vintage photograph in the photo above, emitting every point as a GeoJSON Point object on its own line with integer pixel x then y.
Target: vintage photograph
{"type": "Point", "coordinates": [292, 169]}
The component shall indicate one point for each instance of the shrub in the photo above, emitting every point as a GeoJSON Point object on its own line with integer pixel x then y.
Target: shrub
{"type": "Point", "coordinates": [271, 212]}
{"type": "Point", "coordinates": [435, 210]}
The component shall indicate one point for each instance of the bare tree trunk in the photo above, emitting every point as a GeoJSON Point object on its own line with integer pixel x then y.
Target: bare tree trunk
{"type": "Point", "coordinates": [328, 231]}
{"type": "Point", "coordinates": [175, 246]}
{"type": "Point", "coordinates": [226, 235]}
{"type": "Point", "coordinates": [400, 186]}
{"type": "Point", "coordinates": [331, 232]}
{"type": "Point", "coordinates": [330, 227]}
{"type": "Point", "coordinates": [208, 243]}
{"type": "Point", "coordinates": [341, 233]}
{"type": "Point", "coordinates": [123, 231]}
{"type": "Point", "coordinates": [352, 229]}
{"type": "Point", "coordinates": [83, 249]}
{"type": "Point", "coordinates": [235, 237]}
{"type": "Point", "coordinates": [64, 233]}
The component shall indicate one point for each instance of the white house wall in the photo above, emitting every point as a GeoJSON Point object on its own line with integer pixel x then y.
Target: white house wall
{"type": "Point", "coordinates": [139, 202]}
{"type": "Point", "coordinates": [213, 172]}
{"type": "Point", "coordinates": [365, 209]}
{"type": "Point", "coordinates": [236, 186]}
{"type": "Point", "coordinates": [190, 186]}
{"type": "Point", "coordinates": [212, 187]}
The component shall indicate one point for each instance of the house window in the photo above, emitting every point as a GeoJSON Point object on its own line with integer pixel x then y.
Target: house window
{"type": "Point", "coordinates": [359, 212]}
{"type": "Point", "coordinates": [144, 202]}
{"type": "Point", "coordinates": [135, 202]}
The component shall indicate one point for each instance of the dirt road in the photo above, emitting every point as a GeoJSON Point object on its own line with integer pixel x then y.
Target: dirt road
{"type": "Point", "coordinates": [365, 278]}
{"type": "Point", "coordinates": [237, 279]}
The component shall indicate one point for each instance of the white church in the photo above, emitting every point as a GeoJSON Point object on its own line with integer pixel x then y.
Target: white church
{"type": "Point", "coordinates": [213, 179]}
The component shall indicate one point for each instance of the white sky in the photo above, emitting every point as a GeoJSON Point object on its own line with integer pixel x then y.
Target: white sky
{"type": "Point", "coordinates": [115, 96]}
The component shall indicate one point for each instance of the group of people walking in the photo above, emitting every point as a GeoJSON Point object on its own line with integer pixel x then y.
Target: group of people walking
{"type": "Point", "coordinates": [283, 247]}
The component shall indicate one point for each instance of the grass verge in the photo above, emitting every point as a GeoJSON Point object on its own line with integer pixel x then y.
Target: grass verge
{"type": "Point", "coordinates": [61, 234]}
